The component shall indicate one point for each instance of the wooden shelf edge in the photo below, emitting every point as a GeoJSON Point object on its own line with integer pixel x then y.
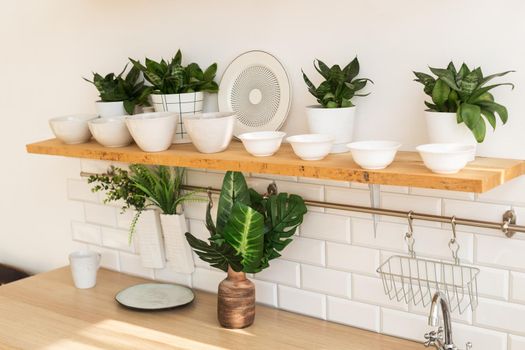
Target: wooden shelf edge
{"type": "Point", "coordinates": [479, 176]}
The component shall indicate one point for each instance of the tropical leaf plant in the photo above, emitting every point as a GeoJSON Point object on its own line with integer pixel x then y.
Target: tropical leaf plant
{"type": "Point", "coordinates": [251, 229]}
{"type": "Point", "coordinates": [171, 77]}
{"type": "Point", "coordinates": [130, 89]}
{"type": "Point", "coordinates": [466, 93]}
{"type": "Point", "coordinates": [339, 85]}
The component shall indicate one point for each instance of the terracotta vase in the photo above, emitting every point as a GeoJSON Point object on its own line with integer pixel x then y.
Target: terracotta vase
{"type": "Point", "coordinates": [236, 304]}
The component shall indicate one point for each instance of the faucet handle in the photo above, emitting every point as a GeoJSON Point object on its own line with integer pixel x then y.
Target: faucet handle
{"type": "Point", "coordinates": [468, 346]}
{"type": "Point", "coordinates": [433, 336]}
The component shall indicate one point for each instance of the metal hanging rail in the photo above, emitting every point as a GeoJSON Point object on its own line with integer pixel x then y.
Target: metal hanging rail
{"type": "Point", "coordinates": [507, 225]}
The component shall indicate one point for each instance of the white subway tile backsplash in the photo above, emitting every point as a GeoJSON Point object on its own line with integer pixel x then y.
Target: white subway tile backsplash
{"type": "Point", "coordinates": [109, 258]}
{"type": "Point", "coordinates": [132, 265]}
{"type": "Point", "coordinates": [281, 271]}
{"type": "Point", "coordinates": [100, 214]}
{"type": "Point", "coordinates": [307, 191]}
{"type": "Point", "coordinates": [510, 192]}
{"type": "Point", "coordinates": [80, 190]}
{"type": "Point", "coordinates": [265, 292]}
{"type": "Point", "coordinates": [517, 287]}
{"type": "Point", "coordinates": [86, 233]}
{"type": "Point", "coordinates": [493, 283]}
{"type": "Point", "coordinates": [198, 178]}
{"type": "Point", "coordinates": [347, 196]}
{"type": "Point", "coordinates": [198, 229]}
{"type": "Point", "coordinates": [354, 314]}
{"type": "Point", "coordinates": [388, 235]}
{"type": "Point", "coordinates": [167, 274]}
{"type": "Point", "coordinates": [351, 258]}
{"type": "Point", "coordinates": [331, 282]}
{"type": "Point", "coordinates": [481, 338]}
{"type": "Point", "coordinates": [303, 302]}
{"type": "Point", "coordinates": [206, 279]}
{"type": "Point", "coordinates": [117, 239]}
{"type": "Point", "coordinates": [428, 192]}
{"type": "Point", "coordinates": [516, 343]}
{"type": "Point", "coordinates": [500, 315]}
{"type": "Point", "coordinates": [333, 183]}
{"type": "Point", "coordinates": [370, 290]}
{"type": "Point", "coordinates": [475, 211]}
{"type": "Point", "coordinates": [500, 252]}
{"type": "Point", "coordinates": [404, 324]}
{"type": "Point", "coordinates": [326, 227]}
{"type": "Point", "coordinates": [433, 243]}
{"type": "Point", "coordinates": [426, 205]}
{"type": "Point", "coordinates": [305, 250]}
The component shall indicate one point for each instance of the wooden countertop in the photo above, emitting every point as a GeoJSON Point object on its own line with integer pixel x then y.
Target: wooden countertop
{"type": "Point", "coordinates": [407, 169]}
{"type": "Point", "coordinates": [47, 312]}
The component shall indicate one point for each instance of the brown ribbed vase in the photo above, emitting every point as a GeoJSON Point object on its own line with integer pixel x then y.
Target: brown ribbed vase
{"type": "Point", "coordinates": [236, 304]}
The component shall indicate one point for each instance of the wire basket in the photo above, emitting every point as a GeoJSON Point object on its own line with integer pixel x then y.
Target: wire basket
{"type": "Point", "coordinates": [414, 280]}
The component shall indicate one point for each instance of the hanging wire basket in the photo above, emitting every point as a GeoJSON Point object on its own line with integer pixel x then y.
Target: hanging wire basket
{"type": "Point", "coordinates": [414, 280]}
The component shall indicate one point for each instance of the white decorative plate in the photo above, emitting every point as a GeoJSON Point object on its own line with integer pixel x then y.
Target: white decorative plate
{"type": "Point", "coordinates": [256, 87]}
{"type": "Point", "coordinates": [154, 296]}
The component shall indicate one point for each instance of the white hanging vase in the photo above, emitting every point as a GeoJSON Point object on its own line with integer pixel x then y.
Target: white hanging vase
{"type": "Point", "coordinates": [184, 105]}
{"type": "Point", "coordinates": [150, 240]}
{"type": "Point", "coordinates": [178, 251]}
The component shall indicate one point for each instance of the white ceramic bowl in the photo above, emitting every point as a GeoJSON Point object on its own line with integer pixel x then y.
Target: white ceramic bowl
{"type": "Point", "coordinates": [262, 143]}
{"type": "Point", "coordinates": [153, 132]}
{"type": "Point", "coordinates": [445, 158]}
{"type": "Point", "coordinates": [72, 129]}
{"type": "Point", "coordinates": [110, 132]}
{"type": "Point", "coordinates": [210, 132]}
{"type": "Point", "coordinates": [374, 155]}
{"type": "Point", "coordinates": [311, 146]}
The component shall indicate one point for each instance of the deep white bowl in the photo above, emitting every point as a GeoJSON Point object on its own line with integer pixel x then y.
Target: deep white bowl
{"type": "Point", "coordinates": [153, 132]}
{"type": "Point", "coordinates": [262, 143]}
{"type": "Point", "coordinates": [111, 131]}
{"type": "Point", "coordinates": [210, 132]}
{"type": "Point", "coordinates": [445, 158]}
{"type": "Point", "coordinates": [374, 155]}
{"type": "Point", "coordinates": [311, 146]}
{"type": "Point", "coordinates": [72, 129]}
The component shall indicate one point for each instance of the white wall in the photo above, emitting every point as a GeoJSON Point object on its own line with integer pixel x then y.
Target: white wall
{"type": "Point", "coordinates": [48, 45]}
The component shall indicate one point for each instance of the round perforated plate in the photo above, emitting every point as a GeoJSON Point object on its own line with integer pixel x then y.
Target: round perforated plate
{"type": "Point", "coordinates": [256, 87]}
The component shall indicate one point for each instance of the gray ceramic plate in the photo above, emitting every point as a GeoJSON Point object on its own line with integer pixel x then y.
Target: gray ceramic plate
{"type": "Point", "coordinates": [154, 296]}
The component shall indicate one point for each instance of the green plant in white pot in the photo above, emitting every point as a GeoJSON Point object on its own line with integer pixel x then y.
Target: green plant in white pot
{"type": "Point", "coordinates": [120, 95]}
{"type": "Point", "coordinates": [461, 104]}
{"type": "Point", "coordinates": [178, 88]}
{"type": "Point", "coordinates": [335, 114]}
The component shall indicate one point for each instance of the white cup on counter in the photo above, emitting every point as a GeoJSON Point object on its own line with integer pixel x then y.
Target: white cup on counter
{"type": "Point", "coordinates": [84, 266]}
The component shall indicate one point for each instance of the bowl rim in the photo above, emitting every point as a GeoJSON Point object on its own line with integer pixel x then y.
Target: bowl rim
{"type": "Point", "coordinates": [108, 120]}
{"type": "Point", "coordinates": [310, 138]}
{"type": "Point", "coordinates": [80, 117]}
{"type": "Point", "coordinates": [209, 116]}
{"type": "Point", "coordinates": [252, 135]}
{"type": "Point", "coordinates": [387, 145]}
{"type": "Point", "coordinates": [461, 148]}
{"type": "Point", "coordinates": [152, 115]}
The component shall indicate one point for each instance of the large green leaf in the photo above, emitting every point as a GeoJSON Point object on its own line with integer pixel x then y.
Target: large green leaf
{"type": "Point", "coordinates": [491, 118]}
{"type": "Point", "coordinates": [447, 76]}
{"type": "Point", "coordinates": [440, 93]}
{"type": "Point", "coordinates": [234, 189]}
{"type": "Point", "coordinates": [322, 69]}
{"type": "Point", "coordinates": [492, 76]}
{"type": "Point", "coordinates": [495, 108]}
{"type": "Point", "coordinates": [471, 116]}
{"type": "Point", "coordinates": [245, 233]}
{"type": "Point", "coordinates": [351, 70]}
{"type": "Point", "coordinates": [218, 256]}
{"type": "Point", "coordinates": [482, 91]}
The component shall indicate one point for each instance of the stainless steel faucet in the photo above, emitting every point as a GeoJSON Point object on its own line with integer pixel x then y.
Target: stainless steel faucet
{"type": "Point", "coordinates": [442, 338]}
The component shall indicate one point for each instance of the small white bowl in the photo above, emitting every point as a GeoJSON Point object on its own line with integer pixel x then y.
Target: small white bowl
{"type": "Point", "coordinates": [72, 129]}
{"type": "Point", "coordinates": [445, 158]}
{"type": "Point", "coordinates": [374, 155]}
{"type": "Point", "coordinates": [153, 132]}
{"type": "Point", "coordinates": [210, 132]}
{"type": "Point", "coordinates": [311, 146]}
{"type": "Point", "coordinates": [111, 131]}
{"type": "Point", "coordinates": [262, 143]}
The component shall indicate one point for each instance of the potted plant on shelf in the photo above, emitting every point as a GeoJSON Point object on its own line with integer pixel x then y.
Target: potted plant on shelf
{"type": "Point", "coordinates": [251, 230]}
{"type": "Point", "coordinates": [119, 187]}
{"type": "Point", "coordinates": [461, 104]}
{"type": "Point", "coordinates": [120, 96]}
{"type": "Point", "coordinates": [335, 114]}
{"type": "Point", "coordinates": [178, 88]}
{"type": "Point", "coordinates": [162, 187]}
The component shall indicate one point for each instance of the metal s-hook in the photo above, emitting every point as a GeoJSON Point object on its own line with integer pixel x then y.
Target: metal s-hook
{"type": "Point", "coordinates": [409, 236]}
{"type": "Point", "coordinates": [453, 243]}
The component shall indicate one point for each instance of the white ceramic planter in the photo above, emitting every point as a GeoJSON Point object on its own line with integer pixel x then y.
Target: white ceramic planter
{"type": "Point", "coordinates": [110, 109]}
{"type": "Point", "coordinates": [178, 251]}
{"type": "Point", "coordinates": [337, 122]}
{"type": "Point", "coordinates": [443, 128]}
{"type": "Point", "coordinates": [150, 240]}
{"type": "Point", "coordinates": [182, 104]}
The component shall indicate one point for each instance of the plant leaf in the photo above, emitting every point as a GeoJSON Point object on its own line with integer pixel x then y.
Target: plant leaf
{"type": "Point", "coordinates": [234, 189]}
{"type": "Point", "coordinates": [447, 76]}
{"type": "Point", "coordinates": [492, 76]}
{"type": "Point", "coordinates": [491, 118]}
{"type": "Point", "coordinates": [471, 116]}
{"type": "Point", "coordinates": [218, 256]}
{"type": "Point", "coordinates": [440, 93]}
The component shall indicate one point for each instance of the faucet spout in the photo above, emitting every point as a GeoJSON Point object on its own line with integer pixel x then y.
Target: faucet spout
{"type": "Point", "coordinates": [439, 301]}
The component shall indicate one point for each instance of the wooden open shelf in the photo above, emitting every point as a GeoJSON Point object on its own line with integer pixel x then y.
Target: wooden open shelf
{"type": "Point", "coordinates": [408, 169]}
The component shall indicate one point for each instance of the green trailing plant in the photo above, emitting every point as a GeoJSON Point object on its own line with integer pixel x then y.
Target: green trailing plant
{"type": "Point", "coordinates": [251, 229]}
{"type": "Point", "coordinates": [339, 86]}
{"type": "Point", "coordinates": [171, 77]}
{"type": "Point", "coordinates": [130, 89]}
{"type": "Point", "coordinates": [466, 93]}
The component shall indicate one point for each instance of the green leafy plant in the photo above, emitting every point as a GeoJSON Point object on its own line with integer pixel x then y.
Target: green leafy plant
{"type": "Point", "coordinates": [171, 77]}
{"type": "Point", "coordinates": [465, 93]}
{"type": "Point", "coordinates": [251, 229]}
{"type": "Point", "coordinates": [130, 90]}
{"type": "Point", "coordinates": [339, 86]}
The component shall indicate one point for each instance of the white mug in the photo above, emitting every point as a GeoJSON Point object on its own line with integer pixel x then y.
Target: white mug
{"type": "Point", "coordinates": [84, 266]}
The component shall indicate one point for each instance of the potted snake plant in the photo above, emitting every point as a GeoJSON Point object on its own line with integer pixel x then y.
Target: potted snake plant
{"type": "Point", "coordinates": [120, 95]}
{"type": "Point", "coordinates": [250, 231]}
{"type": "Point", "coordinates": [461, 104]}
{"type": "Point", "coordinates": [335, 114]}
{"type": "Point", "coordinates": [178, 88]}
